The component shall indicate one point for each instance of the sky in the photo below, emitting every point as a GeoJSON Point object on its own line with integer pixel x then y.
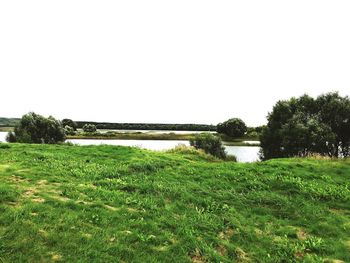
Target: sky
{"type": "Point", "coordinates": [169, 61]}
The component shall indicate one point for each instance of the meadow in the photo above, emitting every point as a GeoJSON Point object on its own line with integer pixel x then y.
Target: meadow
{"type": "Point", "coordinates": [62, 203]}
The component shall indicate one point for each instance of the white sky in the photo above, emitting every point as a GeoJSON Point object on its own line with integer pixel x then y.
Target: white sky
{"type": "Point", "coordinates": [169, 61]}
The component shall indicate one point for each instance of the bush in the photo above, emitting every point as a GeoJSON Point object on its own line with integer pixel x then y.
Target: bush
{"type": "Point", "coordinates": [68, 130]}
{"type": "Point", "coordinates": [210, 143]}
{"type": "Point", "coordinates": [89, 128]}
{"type": "Point", "coordinates": [70, 123]}
{"type": "Point", "coordinates": [11, 137]}
{"type": "Point", "coordinates": [233, 127]}
{"type": "Point", "coordinates": [34, 128]}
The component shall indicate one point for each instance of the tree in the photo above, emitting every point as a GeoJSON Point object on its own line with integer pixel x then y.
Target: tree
{"type": "Point", "coordinates": [34, 128]}
{"type": "Point", "coordinates": [210, 143]}
{"type": "Point", "coordinates": [301, 126]}
{"type": "Point", "coordinates": [233, 127]}
{"type": "Point", "coordinates": [89, 128]}
{"type": "Point", "coordinates": [68, 130]}
{"type": "Point", "coordinates": [70, 123]}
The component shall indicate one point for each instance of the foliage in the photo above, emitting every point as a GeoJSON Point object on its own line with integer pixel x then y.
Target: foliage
{"type": "Point", "coordinates": [9, 122]}
{"type": "Point", "coordinates": [210, 143]}
{"type": "Point", "coordinates": [70, 123]}
{"type": "Point", "coordinates": [233, 127]}
{"type": "Point", "coordinates": [11, 137]}
{"type": "Point", "coordinates": [303, 126]}
{"type": "Point", "coordinates": [89, 128]}
{"type": "Point", "coordinates": [124, 204]}
{"type": "Point", "coordinates": [68, 130]}
{"type": "Point", "coordinates": [149, 126]}
{"type": "Point", "coordinates": [34, 128]}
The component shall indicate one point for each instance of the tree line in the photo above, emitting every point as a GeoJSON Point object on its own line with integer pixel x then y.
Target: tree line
{"type": "Point", "coordinates": [148, 126]}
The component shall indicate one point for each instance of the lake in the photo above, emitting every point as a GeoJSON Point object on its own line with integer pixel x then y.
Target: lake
{"type": "Point", "coordinates": [3, 136]}
{"type": "Point", "coordinates": [243, 153]}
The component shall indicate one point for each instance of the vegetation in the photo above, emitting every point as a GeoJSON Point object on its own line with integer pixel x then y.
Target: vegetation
{"type": "Point", "coordinates": [114, 204]}
{"type": "Point", "coordinates": [9, 122]}
{"type": "Point", "coordinates": [233, 128]}
{"type": "Point", "coordinates": [210, 143]}
{"type": "Point", "coordinates": [34, 128]}
{"type": "Point", "coordinates": [6, 129]}
{"type": "Point", "coordinates": [303, 126]}
{"type": "Point", "coordinates": [149, 126]}
{"type": "Point", "coordinates": [70, 123]}
{"type": "Point", "coordinates": [89, 128]}
{"type": "Point", "coordinates": [68, 130]}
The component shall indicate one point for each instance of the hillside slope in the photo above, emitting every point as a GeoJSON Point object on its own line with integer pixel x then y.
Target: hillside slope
{"type": "Point", "coordinates": [120, 204]}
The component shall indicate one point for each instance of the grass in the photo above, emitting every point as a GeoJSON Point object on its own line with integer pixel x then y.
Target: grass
{"type": "Point", "coordinates": [63, 203]}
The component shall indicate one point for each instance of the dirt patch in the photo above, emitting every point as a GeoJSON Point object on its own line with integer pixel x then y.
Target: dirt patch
{"type": "Point", "coordinates": [14, 204]}
{"type": "Point", "coordinates": [221, 250]}
{"type": "Point", "coordinates": [17, 179]}
{"type": "Point", "coordinates": [41, 182]}
{"type": "Point", "coordinates": [196, 257]}
{"type": "Point", "coordinates": [226, 234]}
{"type": "Point", "coordinates": [112, 208]}
{"type": "Point", "coordinates": [241, 255]}
{"type": "Point", "coordinates": [29, 192]}
{"type": "Point", "coordinates": [301, 234]}
{"type": "Point", "coordinates": [38, 200]}
{"type": "Point", "coordinates": [56, 257]}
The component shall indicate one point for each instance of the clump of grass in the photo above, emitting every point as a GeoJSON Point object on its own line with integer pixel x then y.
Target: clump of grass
{"type": "Point", "coordinates": [8, 193]}
{"type": "Point", "coordinates": [190, 150]}
{"type": "Point", "coordinates": [4, 146]}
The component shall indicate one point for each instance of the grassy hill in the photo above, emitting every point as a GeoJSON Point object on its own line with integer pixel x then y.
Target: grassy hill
{"type": "Point", "coordinates": [120, 204]}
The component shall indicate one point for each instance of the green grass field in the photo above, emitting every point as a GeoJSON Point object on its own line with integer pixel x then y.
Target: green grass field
{"type": "Point", "coordinates": [62, 203]}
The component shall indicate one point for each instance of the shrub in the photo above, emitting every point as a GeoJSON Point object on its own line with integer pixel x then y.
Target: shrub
{"type": "Point", "coordinates": [68, 130]}
{"type": "Point", "coordinates": [210, 143]}
{"type": "Point", "coordinates": [70, 123]}
{"type": "Point", "coordinates": [89, 128]}
{"type": "Point", "coordinates": [233, 127]}
{"type": "Point", "coordinates": [34, 128]}
{"type": "Point", "coordinates": [11, 137]}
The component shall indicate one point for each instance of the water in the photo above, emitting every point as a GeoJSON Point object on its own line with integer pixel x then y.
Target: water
{"type": "Point", "coordinates": [156, 145]}
{"type": "Point", "coordinates": [243, 153]}
{"type": "Point", "coordinates": [3, 136]}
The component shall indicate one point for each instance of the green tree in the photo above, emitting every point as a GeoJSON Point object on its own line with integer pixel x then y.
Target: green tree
{"type": "Point", "coordinates": [34, 128]}
{"type": "Point", "coordinates": [89, 128]}
{"type": "Point", "coordinates": [68, 130]}
{"type": "Point", "coordinates": [301, 126]}
{"type": "Point", "coordinates": [233, 127]}
{"type": "Point", "coordinates": [210, 143]}
{"type": "Point", "coordinates": [70, 123]}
